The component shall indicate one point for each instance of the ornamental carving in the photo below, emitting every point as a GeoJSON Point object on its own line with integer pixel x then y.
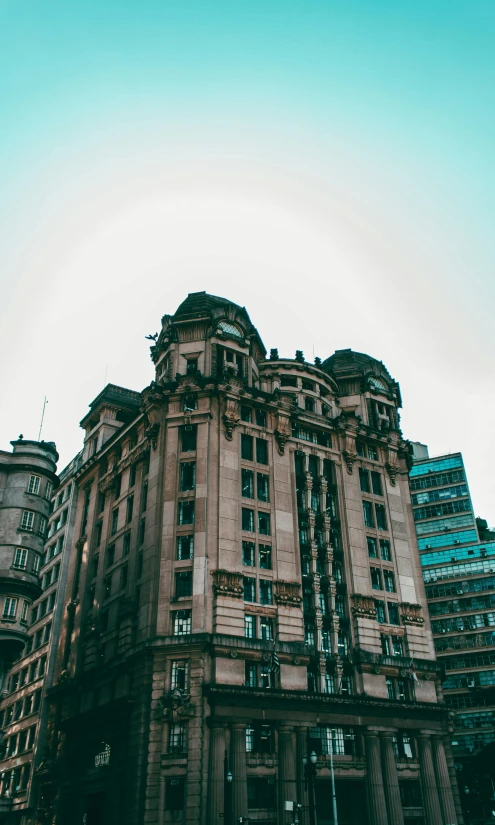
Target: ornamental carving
{"type": "Point", "coordinates": [411, 614]}
{"type": "Point", "coordinates": [231, 419]}
{"type": "Point", "coordinates": [282, 434]}
{"type": "Point", "coordinates": [176, 705]}
{"type": "Point", "coordinates": [152, 407]}
{"type": "Point", "coordinates": [363, 606]}
{"type": "Point", "coordinates": [107, 483]}
{"type": "Point", "coordinates": [392, 465]}
{"type": "Point", "coordinates": [288, 594]}
{"type": "Point", "coordinates": [226, 583]}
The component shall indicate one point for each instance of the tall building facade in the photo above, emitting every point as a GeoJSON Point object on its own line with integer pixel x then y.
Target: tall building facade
{"type": "Point", "coordinates": [27, 480]}
{"type": "Point", "coordinates": [245, 592]}
{"type": "Point", "coordinates": [458, 560]}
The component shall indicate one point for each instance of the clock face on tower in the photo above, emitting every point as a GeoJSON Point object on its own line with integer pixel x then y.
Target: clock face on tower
{"type": "Point", "coordinates": [230, 329]}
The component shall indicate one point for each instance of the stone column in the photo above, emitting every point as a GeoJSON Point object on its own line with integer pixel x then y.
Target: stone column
{"type": "Point", "coordinates": [216, 782]}
{"type": "Point", "coordinates": [302, 791]}
{"type": "Point", "coordinates": [377, 808]}
{"type": "Point", "coordinates": [431, 803]}
{"type": "Point", "coordinates": [238, 768]}
{"type": "Point", "coordinates": [392, 793]}
{"type": "Point", "coordinates": [286, 770]}
{"type": "Point", "coordinates": [443, 781]}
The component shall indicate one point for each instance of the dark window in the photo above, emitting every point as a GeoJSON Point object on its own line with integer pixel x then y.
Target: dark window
{"type": "Point", "coordinates": [372, 453]}
{"type": "Point", "coordinates": [189, 436]}
{"type": "Point", "coordinates": [397, 646]}
{"type": "Point", "coordinates": [361, 449]}
{"type": "Point", "coordinates": [264, 524]}
{"type": "Point", "coordinates": [183, 584]}
{"type": "Point", "coordinates": [186, 512]}
{"type": "Point", "coordinates": [185, 547]}
{"type": "Point", "coordinates": [130, 508]}
{"type": "Point", "coordinates": [249, 589]}
{"type": "Point", "coordinates": [372, 549]}
{"type": "Point", "coordinates": [180, 675]}
{"type": "Point", "coordinates": [107, 587]}
{"type": "Point", "coordinates": [385, 551]}
{"type": "Point", "coordinates": [265, 556]}
{"type": "Point", "coordinates": [380, 612]}
{"type": "Point", "coordinates": [262, 487]}
{"type": "Point", "coordinates": [261, 793]}
{"type": "Point", "coordinates": [368, 514]}
{"type": "Point", "coordinates": [309, 404]}
{"type": "Point", "coordinates": [110, 555]}
{"type": "Point", "coordinates": [410, 793]}
{"type": "Point", "coordinates": [182, 620]}
{"type": "Point", "coordinates": [308, 385]}
{"type": "Point", "coordinates": [175, 793]}
{"type": "Point", "coordinates": [364, 480]}
{"type": "Point", "coordinates": [261, 451]}
{"type": "Point", "coordinates": [132, 475]}
{"type": "Point", "coordinates": [139, 566]}
{"type": "Point", "coordinates": [247, 447]}
{"type": "Point", "coordinates": [250, 627]}
{"type": "Point", "coordinates": [376, 481]}
{"type": "Point", "coordinates": [260, 418]}
{"type": "Point", "coordinates": [115, 520]}
{"type": "Point", "coordinates": [266, 628]}
{"type": "Point", "coordinates": [246, 414]}
{"type": "Point", "coordinates": [142, 530]}
{"type": "Point", "coordinates": [393, 613]}
{"type": "Point", "coordinates": [94, 566]}
{"type": "Point", "coordinates": [123, 577]}
{"type": "Point", "coordinates": [381, 517]}
{"type": "Point", "coordinates": [247, 483]}
{"type": "Point", "coordinates": [126, 544]}
{"type": "Point", "coordinates": [266, 594]}
{"type": "Point", "coordinates": [250, 674]}
{"type": "Point", "coordinates": [248, 549]}
{"type": "Point", "coordinates": [144, 497]}
{"type": "Point", "coordinates": [188, 475]}
{"type": "Point", "coordinates": [177, 738]}
{"type": "Point", "coordinates": [259, 738]}
{"type": "Point", "coordinates": [192, 366]}
{"type": "Point", "coordinates": [101, 502]}
{"type": "Point", "coordinates": [376, 578]}
{"type": "Point", "coordinates": [389, 580]}
{"type": "Point", "coordinates": [248, 520]}
{"type": "Point", "coordinates": [288, 381]}
{"type": "Point", "coordinates": [117, 486]}
{"type": "Point", "coordinates": [98, 529]}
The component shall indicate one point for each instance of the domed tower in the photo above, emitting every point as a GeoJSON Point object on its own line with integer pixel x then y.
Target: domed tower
{"type": "Point", "coordinates": [27, 479]}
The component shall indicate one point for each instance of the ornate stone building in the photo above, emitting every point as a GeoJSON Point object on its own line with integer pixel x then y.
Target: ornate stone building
{"type": "Point", "coordinates": [244, 590]}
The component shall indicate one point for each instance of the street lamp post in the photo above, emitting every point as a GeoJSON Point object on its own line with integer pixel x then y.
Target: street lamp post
{"type": "Point", "coordinates": [309, 763]}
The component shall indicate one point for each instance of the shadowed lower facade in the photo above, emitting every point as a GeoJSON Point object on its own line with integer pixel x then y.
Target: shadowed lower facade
{"type": "Point", "coordinates": [245, 590]}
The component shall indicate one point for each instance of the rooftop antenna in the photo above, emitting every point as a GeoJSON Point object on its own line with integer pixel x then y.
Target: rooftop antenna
{"type": "Point", "coordinates": [45, 402]}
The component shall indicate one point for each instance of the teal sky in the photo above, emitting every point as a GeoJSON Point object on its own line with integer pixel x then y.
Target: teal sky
{"type": "Point", "coordinates": [328, 164]}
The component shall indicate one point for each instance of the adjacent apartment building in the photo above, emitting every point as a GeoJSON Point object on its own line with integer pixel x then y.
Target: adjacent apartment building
{"type": "Point", "coordinates": [41, 558]}
{"type": "Point", "coordinates": [458, 560]}
{"type": "Point", "coordinates": [245, 616]}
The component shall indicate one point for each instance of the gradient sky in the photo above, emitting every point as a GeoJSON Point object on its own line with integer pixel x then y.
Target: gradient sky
{"type": "Point", "coordinates": [329, 165]}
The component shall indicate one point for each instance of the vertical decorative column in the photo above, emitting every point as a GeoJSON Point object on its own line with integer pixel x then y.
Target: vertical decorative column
{"type": "Point", "coordinates": [443, 781]}
{"type": "Point", "coordinates": [302, 791]}
{"type": "Point", "coordinates": [431, 802]}
{"type": "Point", "coordinates": [377, 808]}
{"type": "Point", "coordinates": [238, 768]}
{"type": "Point", "coordinates": [286, 770]}
{"type": "Point", "coordinates": [216, 780]}
{"type": "Point", "coordinates": [392, 793]}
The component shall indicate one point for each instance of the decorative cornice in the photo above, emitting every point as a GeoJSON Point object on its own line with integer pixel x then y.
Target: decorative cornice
{"type": "Point", "coordinates": [227, 583]}
{"type": "Point", "coordinates": [363, 606]}
{"type": "Point", "coordinates": [411, 614]}
{"type": "Point", "coordinates": [288, 594]}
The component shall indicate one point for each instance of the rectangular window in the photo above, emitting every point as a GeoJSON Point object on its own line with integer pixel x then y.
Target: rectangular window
{"type": "Point", "coordinates": [385, 551]}
{"type": "Point", "coordinates": [42, 526]}
{"type": "Point", "coordinates": [187, 475]}
{"type": "Point", "coordinates": [247, 483]}
{"type": "Point", "coordinates": [376, 483]}
{"type": "Point", "coordinates": [177, 738]}
{"type": "Point", "coordinates": [27, 520]}
{"type": "Point", "coordinates": [262, 792]}
{"type": "Point", "coordinates": [246, 447]}
{"type": "Point", "coordinates": [261, 451]}
{"type": "Point", "coordinates": [368, 514]}
{"type": "Point", "coordinates": [248, 550]}
{"type": "Point", "coordinates": [266, 628]}
{"type": "Point", "coordinates": [130, 509]}
{"type": "Point", "coordinates": [376, 578]}
{"type": "Point", "coordinates": [364, 480]}
{"type": "Point", "coordinates": [110, 555]}
{"type": "Point", "coordinates": [175, 793]}
{"type": "Point", "coordinates": [264, 524]}
{"type": "Point", "coordinates": [20, 558]}
{"type": "Point", "coordinates": [260, 418]}
{"type": "Point", "coordinates": [265, 556]}
{"type": "Point", "coordinates": [126, 544]}
{"type": "Point", "coordinates": [186, 512]}
{"type": "Point", "coordinates": [386, 646]}
{"type": "Point", "coordinates": [389, 580]}
{"type": "Point", "coordinates": [401, 690]}
{"type": "Point", "coordinates": [144, 497]}
{"type": "Point", "coordinates": [390, 687]}
{"type": "Point", "coordinates": [185, 547]}
{"type": "Point", "coordinates": [372, 549]}
{"type": "Point", "coordinates": [132, 475]}
{"type": "Point", "coordinates": [142, 530]}
{"type": "Point", "coordinates": [36, 563]}
{"type": "Point", "coordinates": [182, 620]}
{"type": "Point", "coordinates": [246, 414]}
{"type": "Point", "coordinates": [381, 516]}
{"type": "Point", "coordinates": [98, 532]}
{"type": "Point", "coordinates": [250, 627]}
{"type": "Point", "coordinates": [380, 612]}
{"type": "Point", "coordinates": [34, 484]}
{"type": "Point", "coordinates": [101, 502]}
{"type": "Point", "coordinates": [266, 677]}
{"type": "Point", "coordinates": [251, 675]}
{"type": "Point", "coordinates": [248, 520]}
{"type": "Point", "coordinates": [180, 675]}
{"type": "Point", "coordinates": [107, 587]}
{"type": "Point", "coordinates": [117, 486]}
{"type": "Point", "coordinates": [397, 646]}
{"type": "Point", "coordinates": [249, 585]}
{"type": "Point", "coordinates": [262, 487]}
{"type": "Point", "coordinates": [393, 613]}
{"type": "Point", "coordinates": [372, 453]}
{"type": "Point", "coordinates": [266, 594]}
{"type": "Point", "coordinates": [189, 438]}
{"type": "Point", "coordinates": [24, 611]}
{"type": "Point", "coordinates": [115, 520]}
{"type": "Point", "coordinates": [124, 571]}
{"type": "Point", "coordinates": [183, 584]}
{"type": "Point", "coordinates": [9, 608]}
{"type": "Point", "coordinates": [48, 490]}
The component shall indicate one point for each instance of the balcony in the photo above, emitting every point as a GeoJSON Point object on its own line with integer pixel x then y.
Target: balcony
{"type": "Point", "coordinates": [361, 656]}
